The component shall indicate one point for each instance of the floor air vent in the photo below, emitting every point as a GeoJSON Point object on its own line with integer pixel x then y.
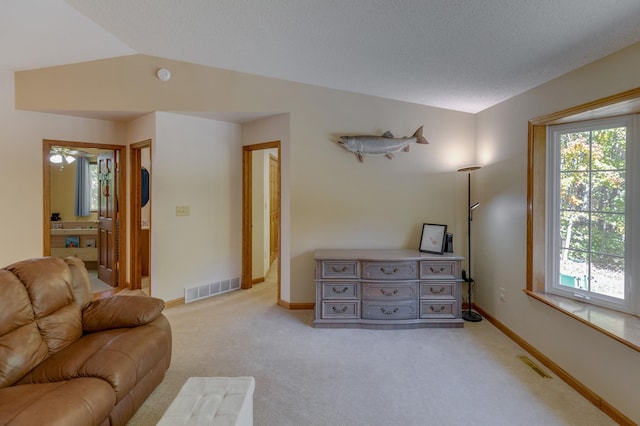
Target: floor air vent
{"type": "Point", "coordinates": [191, 294]}
{"type": "Point", "coordinates": [534, 367]}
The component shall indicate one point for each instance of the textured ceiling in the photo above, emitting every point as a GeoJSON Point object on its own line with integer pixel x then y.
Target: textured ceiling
{"type": "Point", "coordinates": [465, 55]}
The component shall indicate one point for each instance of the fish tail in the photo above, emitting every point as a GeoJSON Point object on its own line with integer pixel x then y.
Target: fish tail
{"type": "Point", "coordinates": [419, 137]}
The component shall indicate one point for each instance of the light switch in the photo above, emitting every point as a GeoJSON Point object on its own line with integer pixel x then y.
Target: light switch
{"type": "Point", "coordinates": [183, 211]}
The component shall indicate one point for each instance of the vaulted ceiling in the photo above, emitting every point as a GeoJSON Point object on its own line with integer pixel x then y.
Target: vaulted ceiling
{"type": "Point", "coordinates": [465, 55]}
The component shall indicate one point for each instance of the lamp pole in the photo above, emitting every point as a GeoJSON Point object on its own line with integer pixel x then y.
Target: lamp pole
{"type": "Point", "coordinates": [469, 315]}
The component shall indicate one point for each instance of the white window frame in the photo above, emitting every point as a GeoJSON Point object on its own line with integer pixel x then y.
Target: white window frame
{"type": "Point", "coordinates": [631, 302]}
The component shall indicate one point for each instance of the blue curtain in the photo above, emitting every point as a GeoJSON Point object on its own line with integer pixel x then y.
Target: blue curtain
{"type": "Point", "coordinates": [83, 188]}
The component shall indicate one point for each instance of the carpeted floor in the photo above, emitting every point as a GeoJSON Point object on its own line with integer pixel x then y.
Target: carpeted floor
{"type": "Point", "coordinates": [307, 376]}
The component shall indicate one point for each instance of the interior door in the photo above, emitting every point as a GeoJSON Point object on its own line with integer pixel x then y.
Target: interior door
{"type": "Point", "coordinates": [274, 203]}
{"type": "Point", "coordinates": [247, 213]}
{"type": "Point", "coordinates": [140, 191]}
{"type": "Point", "coordinates": [107, 219]}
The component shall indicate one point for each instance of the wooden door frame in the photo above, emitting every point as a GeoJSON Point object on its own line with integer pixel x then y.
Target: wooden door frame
{"type": "Point", "coordinates": [277, 211]}
{"type": "Point", "coordinates": [247, 245]}
{"type": "Point", "coordinates": [135, 197]}
{"type": "Point", "coordinates": [120, 160]}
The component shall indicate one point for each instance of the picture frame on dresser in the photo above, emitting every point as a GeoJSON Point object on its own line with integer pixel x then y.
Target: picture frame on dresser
{"type": "Point", "coordinates": [433, 238]}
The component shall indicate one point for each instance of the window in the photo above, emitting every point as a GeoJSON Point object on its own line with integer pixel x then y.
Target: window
{"type": "Point", "coordinates": [592, 186]}
{"type": "Point", "coordinates": [93, 176]}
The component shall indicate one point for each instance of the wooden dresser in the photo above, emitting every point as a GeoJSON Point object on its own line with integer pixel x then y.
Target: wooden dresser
{"type": "Point", "coordinates": [387, 289]}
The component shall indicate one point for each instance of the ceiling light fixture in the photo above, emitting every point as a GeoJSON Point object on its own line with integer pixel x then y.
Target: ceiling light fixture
{"type": "Point", "coordinates": [62, 155]}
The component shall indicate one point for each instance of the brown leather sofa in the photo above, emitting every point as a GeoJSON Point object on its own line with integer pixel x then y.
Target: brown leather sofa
{"type": "Point", "coordinates": [68, 360]}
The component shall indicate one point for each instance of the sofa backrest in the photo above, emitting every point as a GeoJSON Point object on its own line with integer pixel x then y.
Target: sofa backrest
{"type": "Point", "coordinates": [40, 312]}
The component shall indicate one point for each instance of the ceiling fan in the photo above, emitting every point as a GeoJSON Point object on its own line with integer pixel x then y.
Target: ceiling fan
{"type": "Point", "coordinates": [61, 154]}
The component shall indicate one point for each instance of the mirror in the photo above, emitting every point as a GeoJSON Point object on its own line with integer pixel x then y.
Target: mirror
{"type": "Point", "coordinates": [144, 184]}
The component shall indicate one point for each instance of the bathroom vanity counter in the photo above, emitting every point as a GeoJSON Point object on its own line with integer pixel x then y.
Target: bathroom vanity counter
{"type": "Point", "coordinates": [75, 231]}
{"type": "Point", "coordinates": [77, 239]}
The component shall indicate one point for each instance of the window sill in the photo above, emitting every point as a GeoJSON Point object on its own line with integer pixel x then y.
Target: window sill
{"type": "Point", "coordinates": [624, 328]}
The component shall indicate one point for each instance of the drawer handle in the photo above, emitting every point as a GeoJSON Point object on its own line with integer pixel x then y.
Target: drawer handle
{"type": "Point", "coordinates": [389, 272]}
{"type": "Point", "coordinates": [440, 309]}
{"type": "Point", "coordinates": [389, 312]}
{"type": "Point", "coordinates": [343, 269]}
{"type": "Point", "coordinates": [339, 311]}
{"type": "Point", "coordinates": [338, 291]}
{"type": "Point", "coordinates": [437, 271]}
{"type": "Point", "coordinates": [389, 293]}
{"type": "Point", "coordinates": [434, 291]}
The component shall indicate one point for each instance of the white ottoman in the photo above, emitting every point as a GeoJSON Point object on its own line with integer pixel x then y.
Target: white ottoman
{"type": "Point", "coordinates": [212, 401]}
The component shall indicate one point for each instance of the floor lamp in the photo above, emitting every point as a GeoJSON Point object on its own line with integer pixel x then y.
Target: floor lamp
{"type": "Point", "coordinates": [469, 315]}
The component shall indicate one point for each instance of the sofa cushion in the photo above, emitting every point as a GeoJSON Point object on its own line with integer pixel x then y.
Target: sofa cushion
{"type": "Point", "coordinates": [121, 357]}
{"type": "Point", "coordinates": [15, 306]}
{"type": "Point", "coordinates": [83, 401]}
{"type": "Point", "coordinates": [120, 311]}
{"type": "Point", "coordinates": [21, 345]}
{"type": "Point", "coordinates": [48, 284]}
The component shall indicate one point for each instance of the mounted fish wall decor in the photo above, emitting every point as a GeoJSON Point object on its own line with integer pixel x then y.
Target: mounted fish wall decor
{"type": "Point", "coordinates": [380, 145]}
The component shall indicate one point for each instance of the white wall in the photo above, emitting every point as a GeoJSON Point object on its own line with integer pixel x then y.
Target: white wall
{"type": "Point", "coordinates": [337, 202]}
{"type": "Point", "coordinates": [196, 163]}
{"type": "Point", "coordinates": [328, 198]}
{"type": "Point", "coordinates": [21, 135]}
{"type": "Point", "coordinates": [608, 368]}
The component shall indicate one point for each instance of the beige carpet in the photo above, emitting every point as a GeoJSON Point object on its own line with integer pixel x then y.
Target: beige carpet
{"type": "Point", "coordinates": [306, 376]}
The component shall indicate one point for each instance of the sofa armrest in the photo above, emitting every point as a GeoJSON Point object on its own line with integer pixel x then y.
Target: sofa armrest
{"type": "Point", "coordinates": [120, 312]}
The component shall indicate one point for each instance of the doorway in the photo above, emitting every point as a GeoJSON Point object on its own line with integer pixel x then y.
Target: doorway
{"type": "Point", "coordinates": [140, 194]}
{"type": "Point", "coordinates": [258, 216]}
{"type": "Point", "coordinates": [90, 229]}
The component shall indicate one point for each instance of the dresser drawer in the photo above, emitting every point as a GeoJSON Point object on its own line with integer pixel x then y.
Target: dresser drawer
{"type": "Point", "coordinates": [390, 270]}
{"type": "Point", "coordinates": [389, 290]}
{"type": "Point", "coordinates": [339, 290]}
{"type": "Point", "coordinates": [347, 309]}
{"type": "Point", "coordinates": [437, 290]}
{"type": "Point", "coordinates": [338, 269]}
{"type": "Point", "coordinates": [437, 309]}
{"type": "Point", "coordinates": [438, 270]}
{"type": "Point", "coordinates": [389, 310]}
